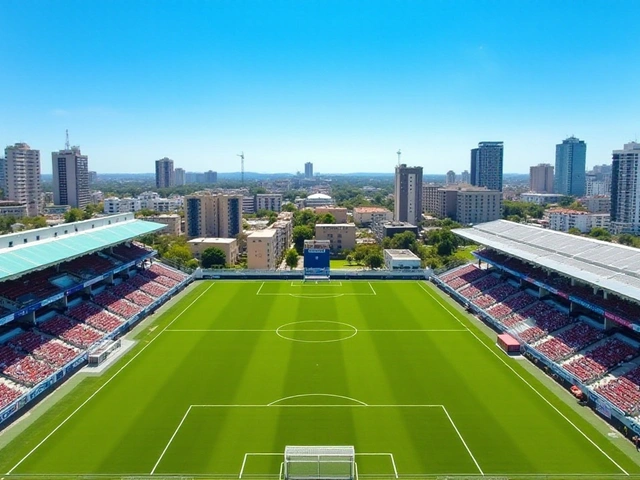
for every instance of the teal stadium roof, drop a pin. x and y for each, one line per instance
(21, 259)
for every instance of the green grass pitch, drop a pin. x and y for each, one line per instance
(233, 372)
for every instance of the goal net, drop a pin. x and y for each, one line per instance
(318, 462)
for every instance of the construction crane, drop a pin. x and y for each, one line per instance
(241, 155)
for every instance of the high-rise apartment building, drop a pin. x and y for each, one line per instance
(308, 170)
(486, 165)
(541, 178)
(164, 173)
(210, 176)
(408, 194)
(451, 177)
(625, 189)
(21, 174)
(3, 187)
(179, 177)
(93, 177)
(464, 204)
(571, 157)
(213, 215)
(71, 178)
(465, 177)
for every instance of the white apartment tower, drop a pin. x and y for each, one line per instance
(71, 178)
(625, 189)
(21, 175)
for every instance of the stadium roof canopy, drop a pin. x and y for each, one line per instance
(36, 255)
(610, 266)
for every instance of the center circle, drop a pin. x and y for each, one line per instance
(316, 331)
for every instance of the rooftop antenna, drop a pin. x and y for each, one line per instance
(66, 144)
(241, 155)
(399, 154)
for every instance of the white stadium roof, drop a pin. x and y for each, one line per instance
(608, 265)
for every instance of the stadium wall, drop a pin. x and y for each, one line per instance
(598, 403)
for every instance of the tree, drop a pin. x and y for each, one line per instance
(179, 253)
(326, 218)
(374, 260)
(300, 234)
(213, 257)
(350, 259)
(289, 207)
(574, 231)
(626, 239)
(291, 258)
(600, 233)
(74, 215)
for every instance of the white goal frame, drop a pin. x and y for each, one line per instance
(319, 462)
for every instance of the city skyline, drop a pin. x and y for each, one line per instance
(338, 84)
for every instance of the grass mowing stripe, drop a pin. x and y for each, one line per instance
(105, 383)
(446, 308)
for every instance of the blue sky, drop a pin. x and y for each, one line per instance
(342, 84)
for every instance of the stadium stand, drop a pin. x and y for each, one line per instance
(66, 290)
(55, 352)
(73, 332)
(575, 311)
(8, 394)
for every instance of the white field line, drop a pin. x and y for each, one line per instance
(374, 292)
(462, 440)
(390, 455)
(380, 330)
(184, 417)
(499, 357)
(258, 292)
(274, 405)
(393, 462)
(281, 468)
(246, 455)
(244, 461)
(107, 382)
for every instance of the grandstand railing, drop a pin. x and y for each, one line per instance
(601, 404)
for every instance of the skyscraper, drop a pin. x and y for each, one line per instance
(571, 157)
(465, 177)
(541, 178)
(625, 189)
(486, 165)
(451, 177)
(179, 177)
(3, 187)
(164, 173)
(71, 178)
(21, 174)
(408, 194)
(308, 170)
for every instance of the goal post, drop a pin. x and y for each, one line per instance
(319, 462)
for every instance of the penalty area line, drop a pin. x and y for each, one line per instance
(107, 382)
(184, 417)
(462, 440)
(546, 400)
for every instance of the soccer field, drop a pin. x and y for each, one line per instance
(233, 372)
